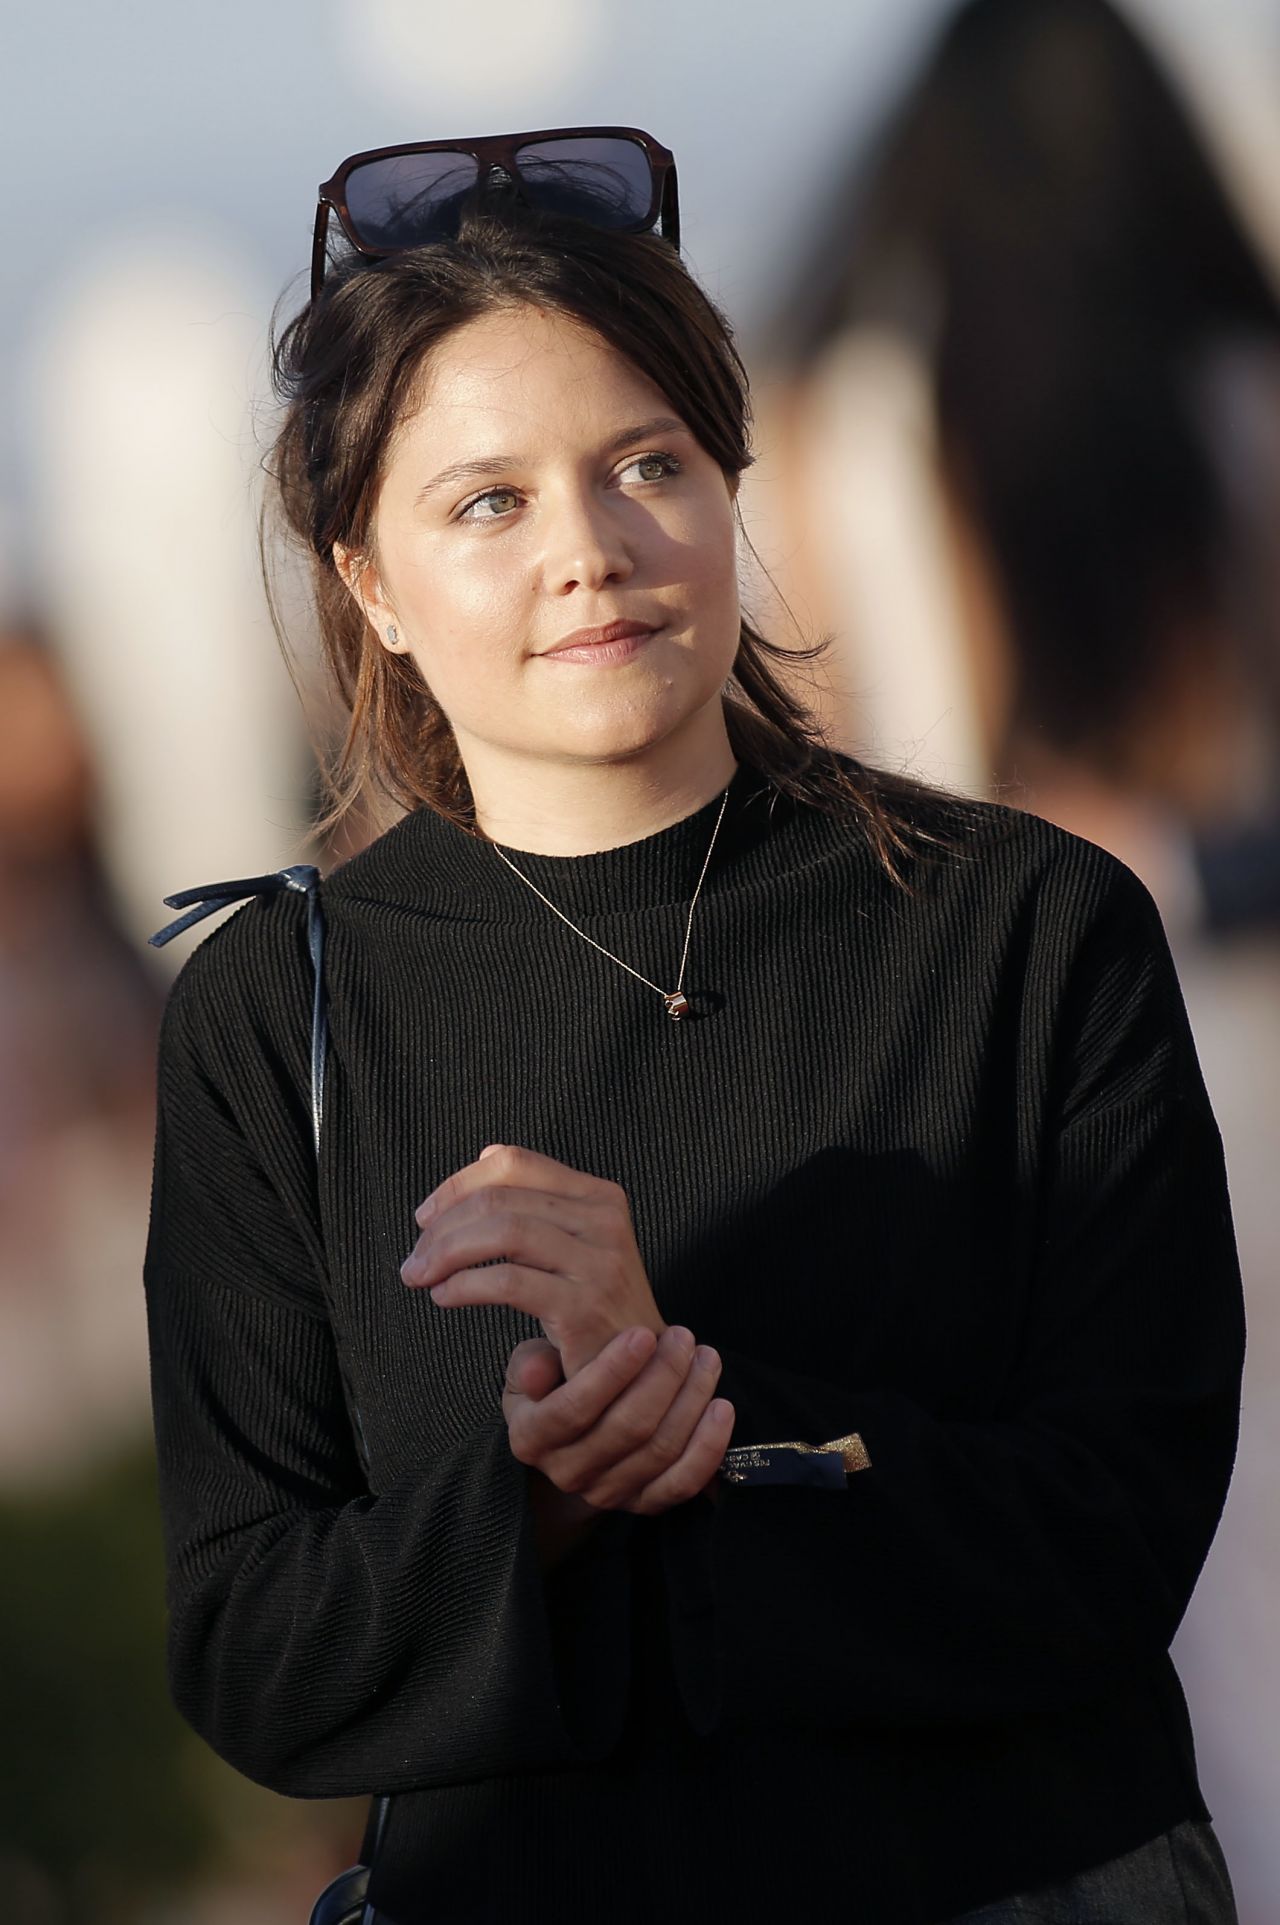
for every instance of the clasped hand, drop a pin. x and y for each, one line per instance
(614, 1406)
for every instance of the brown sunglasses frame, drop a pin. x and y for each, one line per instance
(494, 150)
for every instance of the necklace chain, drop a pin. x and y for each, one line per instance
(675, 999)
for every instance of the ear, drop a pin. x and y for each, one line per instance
(360, 578)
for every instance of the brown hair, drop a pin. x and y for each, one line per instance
(347, 369)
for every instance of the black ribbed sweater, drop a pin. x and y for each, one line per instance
(939, 1168)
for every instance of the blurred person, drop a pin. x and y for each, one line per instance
(1033, 457)
(654, 1019)
(78, 1017)
(1040, 228)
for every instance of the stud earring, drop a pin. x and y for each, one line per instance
(393, 635)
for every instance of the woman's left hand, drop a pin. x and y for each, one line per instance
(554, 1241)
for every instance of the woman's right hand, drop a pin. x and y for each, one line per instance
(637, 1429)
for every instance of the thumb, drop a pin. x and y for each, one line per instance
(533, 1369)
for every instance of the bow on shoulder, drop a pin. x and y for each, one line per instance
(304, 879)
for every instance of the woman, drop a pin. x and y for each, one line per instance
(921, 1171)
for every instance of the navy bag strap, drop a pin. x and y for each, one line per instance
(344, 1901)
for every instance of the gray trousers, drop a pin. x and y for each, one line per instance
(1179, 1878)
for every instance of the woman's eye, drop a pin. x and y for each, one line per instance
(491, 506)
(653, 467)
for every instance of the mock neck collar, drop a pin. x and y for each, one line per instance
(428, 862)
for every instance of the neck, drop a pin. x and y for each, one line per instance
(555, 808)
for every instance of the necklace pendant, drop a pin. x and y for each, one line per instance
(677, 1004)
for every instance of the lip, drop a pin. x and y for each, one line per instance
(615, 642)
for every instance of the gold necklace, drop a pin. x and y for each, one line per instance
(675, 999)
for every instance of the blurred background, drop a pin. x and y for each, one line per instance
(1006, 279)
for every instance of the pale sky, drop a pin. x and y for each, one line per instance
(206, 129)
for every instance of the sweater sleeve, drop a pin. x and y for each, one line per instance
(1021, 1561)
(325, 1638)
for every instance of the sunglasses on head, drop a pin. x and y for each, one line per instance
(391, 198)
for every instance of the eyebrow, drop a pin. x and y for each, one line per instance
(483, 465)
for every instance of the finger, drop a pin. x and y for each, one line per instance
(561, 1434)
(516, 1236)
(537, 1430)
(506, 1163)
(579, 1462)
(533, 1369)
(702, 1458)
(591, 1219)
(538, 1293)
(578, 1214)
(667, 1440)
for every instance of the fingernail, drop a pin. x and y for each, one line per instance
(705, 1357)
(410, 1270)
(638, 1341)
(490, 1149)
(424, 1210)
(683, 1338)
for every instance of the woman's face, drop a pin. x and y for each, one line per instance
(555, 550)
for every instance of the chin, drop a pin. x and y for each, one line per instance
(613, 733)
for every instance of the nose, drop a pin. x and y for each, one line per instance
(585, 544)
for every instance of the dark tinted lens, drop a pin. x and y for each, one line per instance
(406, 199)
(605, 180)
